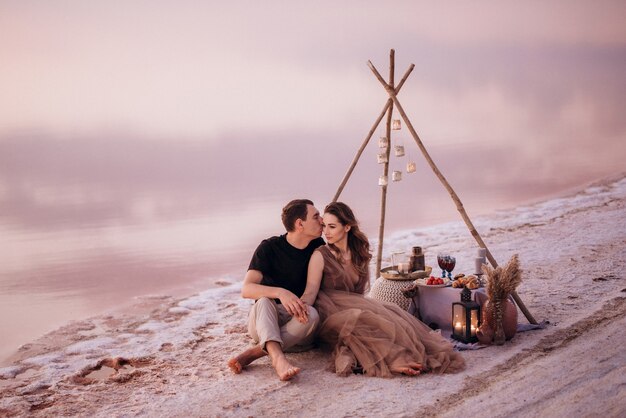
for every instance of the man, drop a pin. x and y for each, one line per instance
(279, 321)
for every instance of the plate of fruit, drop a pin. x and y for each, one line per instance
(434, 282)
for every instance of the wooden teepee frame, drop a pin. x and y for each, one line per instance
(393, 91)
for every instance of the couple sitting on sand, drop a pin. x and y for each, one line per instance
(306, 289)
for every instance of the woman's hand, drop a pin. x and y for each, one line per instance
(294, 305)
(304, 318)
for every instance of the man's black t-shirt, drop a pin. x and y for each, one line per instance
(282, 264)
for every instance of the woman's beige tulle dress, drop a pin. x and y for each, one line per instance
(379, 335)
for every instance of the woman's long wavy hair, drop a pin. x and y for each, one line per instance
(357, 241)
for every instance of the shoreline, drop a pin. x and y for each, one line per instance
(197, 284)
(140, 305)
(571, 251)
(143, 304)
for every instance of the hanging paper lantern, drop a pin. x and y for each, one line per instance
(395, 125)
(383, 142)
(410, 167)
(396, 175)
(399, 150)
(382, 181)
(382, 158)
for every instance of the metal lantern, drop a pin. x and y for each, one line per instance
(383, 142)
(396, 176)
(395, 125)
(382, 158)
(399, 150)
(382, 181)
(465, 318)
(410, 167)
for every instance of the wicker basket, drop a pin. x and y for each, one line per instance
(391, 291)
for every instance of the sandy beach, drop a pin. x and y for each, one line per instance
(170, 359)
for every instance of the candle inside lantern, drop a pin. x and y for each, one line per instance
(382, 181)
(395, 124)
(410, 167)
(473, 323)
(465, 318)
(403, 268)
(482, 252)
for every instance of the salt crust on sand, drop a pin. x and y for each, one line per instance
(572, 252)
(90, 345)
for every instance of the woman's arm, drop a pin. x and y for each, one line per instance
(314, 278)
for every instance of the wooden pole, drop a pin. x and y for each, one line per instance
(455, 198)
(383, 195)
(404, 77)
(369, 136)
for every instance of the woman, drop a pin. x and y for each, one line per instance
(378, 338)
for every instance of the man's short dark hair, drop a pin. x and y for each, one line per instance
(294, 210)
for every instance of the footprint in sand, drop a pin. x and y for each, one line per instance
(167, 347)
(238, 329)
(115, 369)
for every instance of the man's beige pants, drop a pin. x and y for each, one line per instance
(270, 321)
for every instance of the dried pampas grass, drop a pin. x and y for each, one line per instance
(502, 281)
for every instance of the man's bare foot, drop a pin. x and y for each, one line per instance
(284, 369)
(412, 369)
(237, 364)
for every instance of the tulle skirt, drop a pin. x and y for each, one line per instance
(381, 337)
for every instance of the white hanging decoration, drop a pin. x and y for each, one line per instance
(410, 167)
(382, 181)
(399, 150)
(395, 125)
(396, 175)
(382, 158)
(383, 142)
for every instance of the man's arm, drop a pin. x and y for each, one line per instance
(253, 289)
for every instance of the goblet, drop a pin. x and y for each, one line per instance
(451, 264)
(446, 263)
(441, 261)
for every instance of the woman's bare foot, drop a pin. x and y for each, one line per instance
(345, 362)
(412, 369)
(237, 364)
(284, 369)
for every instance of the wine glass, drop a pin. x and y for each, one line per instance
(441, 260)
(446, 263)
(451, 264)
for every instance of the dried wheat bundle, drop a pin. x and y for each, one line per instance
(503, 281)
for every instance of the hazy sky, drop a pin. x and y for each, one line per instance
(273, 98)
(204, 69)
